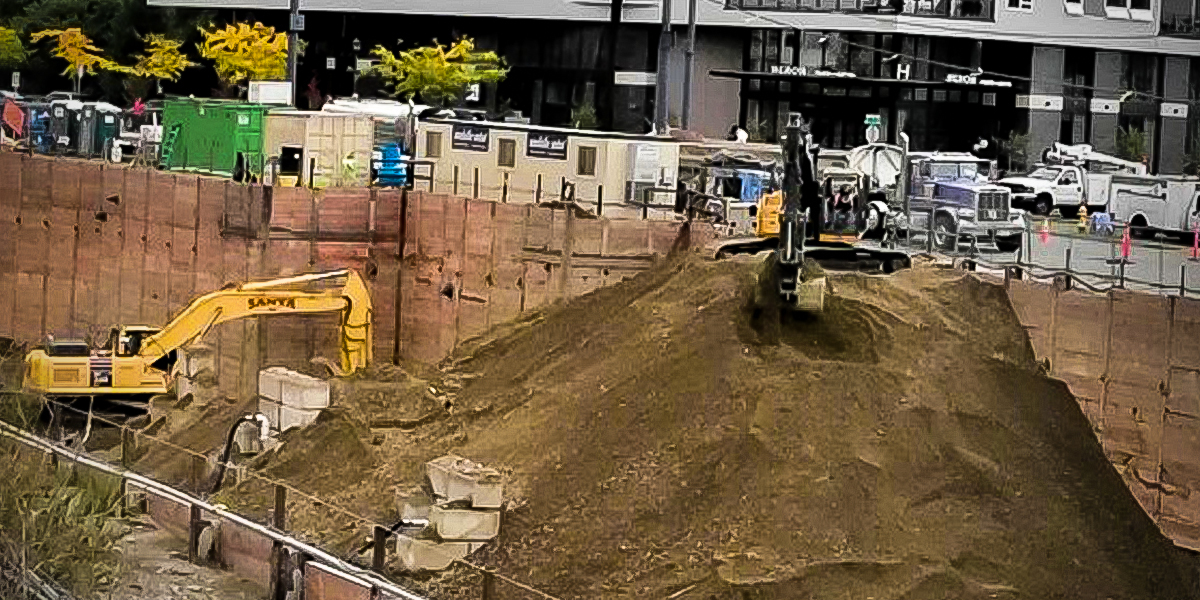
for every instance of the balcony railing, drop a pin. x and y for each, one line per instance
(974, 10)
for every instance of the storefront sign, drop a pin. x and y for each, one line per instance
(975, 80)
(804, 72)
(547, 145)
(634, 78)
(466, 137)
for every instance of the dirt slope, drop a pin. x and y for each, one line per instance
(664, 433)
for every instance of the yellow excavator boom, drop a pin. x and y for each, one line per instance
(137, 359)
(351, 300)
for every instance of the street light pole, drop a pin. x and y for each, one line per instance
(662, 97)
(690, 66)
(294, 47)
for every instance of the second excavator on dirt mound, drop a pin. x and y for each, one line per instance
(795, 236)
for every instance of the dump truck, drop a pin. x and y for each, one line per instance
(135, 362)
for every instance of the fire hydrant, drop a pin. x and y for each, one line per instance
(1083, 218)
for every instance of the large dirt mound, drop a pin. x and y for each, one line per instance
(668, 432)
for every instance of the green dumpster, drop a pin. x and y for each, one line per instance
(218, 137)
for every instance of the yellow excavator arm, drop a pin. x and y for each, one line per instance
(278, 296)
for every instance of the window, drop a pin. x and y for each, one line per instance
(290, 161)
(1024, 5)
(508, 153)
(587, 161)
(1068, 178)
(433, 144)
(1128, 9)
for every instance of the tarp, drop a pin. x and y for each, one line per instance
(14, 117)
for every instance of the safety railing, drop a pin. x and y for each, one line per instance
(1123, 258)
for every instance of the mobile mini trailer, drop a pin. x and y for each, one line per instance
(515, 162)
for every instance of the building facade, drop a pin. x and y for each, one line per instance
(946, 72)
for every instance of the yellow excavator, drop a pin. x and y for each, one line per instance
(136, 361)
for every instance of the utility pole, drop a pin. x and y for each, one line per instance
(689, 67)
(294, 46)
(662, 97)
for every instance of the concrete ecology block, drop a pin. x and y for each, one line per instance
(283, 417)
(417, 554)
(461, 524)
(293, 389)
(455, 479)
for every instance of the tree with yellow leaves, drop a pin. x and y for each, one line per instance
(245, 52)
(162, 60)
(77, 49)
(439, 76)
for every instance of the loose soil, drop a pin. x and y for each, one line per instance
(672, 433)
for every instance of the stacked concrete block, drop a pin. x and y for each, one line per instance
(290, 399)
(460, 517)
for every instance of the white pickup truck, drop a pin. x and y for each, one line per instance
(1170, 206)
(1072, 176)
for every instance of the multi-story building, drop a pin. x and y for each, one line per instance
(946, 72)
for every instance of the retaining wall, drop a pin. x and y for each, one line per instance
(85, 245)
(1133, 361)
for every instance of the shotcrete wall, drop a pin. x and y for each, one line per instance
(86, 245)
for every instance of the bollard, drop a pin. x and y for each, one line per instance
(126, 449)
(1121, 282)
(279, 518)
(455, 180)
(475, 193)
(489, 584)
(599, 200)
(537, 194)
(1068, 260)
(504, 189)
(379, 553)
(1182, 280)
(195, 525)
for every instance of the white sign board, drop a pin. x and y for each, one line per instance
(472, 93)
(331, 63)
(645, 163)
(634, 78)
(297, 22)
(270, 92)
(364, 64)
(16, 80)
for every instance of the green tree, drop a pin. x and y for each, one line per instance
(438, 75)
(584, 116)
(77, 49)
(12, 51)
(1131, 143)
(118, 26)
(1015, 151)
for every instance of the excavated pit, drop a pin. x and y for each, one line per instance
(666, 433)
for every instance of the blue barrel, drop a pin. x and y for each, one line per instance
(389, 170)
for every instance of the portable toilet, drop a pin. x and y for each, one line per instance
(218, 137)
(41, 136)
(389, 170)
(65, 117)
(106, 126)
(320, 149)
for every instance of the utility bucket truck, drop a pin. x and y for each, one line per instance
(1070, 177)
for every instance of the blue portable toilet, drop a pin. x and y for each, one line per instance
(390, 171)
(40, 136)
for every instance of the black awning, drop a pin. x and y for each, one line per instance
(737, 74)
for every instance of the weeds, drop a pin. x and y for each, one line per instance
(59, 522)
